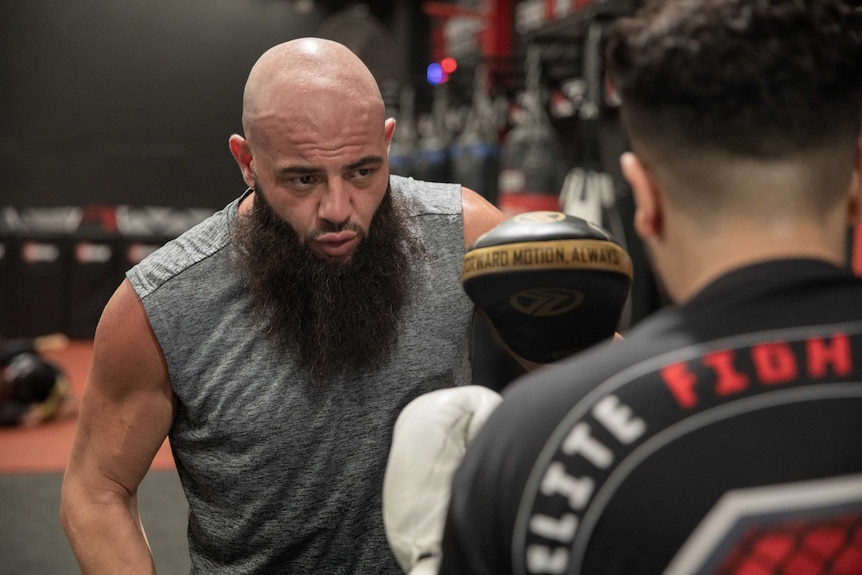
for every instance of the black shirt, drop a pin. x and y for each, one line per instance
(723, 436)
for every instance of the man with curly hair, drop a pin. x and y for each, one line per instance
(723, 436)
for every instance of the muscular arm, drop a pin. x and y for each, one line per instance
(480, 215)
(126, 412)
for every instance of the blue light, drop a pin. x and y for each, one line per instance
(435, 74)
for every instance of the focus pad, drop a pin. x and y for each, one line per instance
(551, 284)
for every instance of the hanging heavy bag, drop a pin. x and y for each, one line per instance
(588, 191)
(531, 158)
(475, 154)
(431, 161)
(402, 149)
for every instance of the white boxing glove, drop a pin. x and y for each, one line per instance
(428, 442)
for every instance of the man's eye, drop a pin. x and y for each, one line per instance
(304, 181)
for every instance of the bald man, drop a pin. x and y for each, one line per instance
(276, 342)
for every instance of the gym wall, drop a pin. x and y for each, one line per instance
(129, 102)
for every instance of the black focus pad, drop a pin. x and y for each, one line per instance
(550, 284)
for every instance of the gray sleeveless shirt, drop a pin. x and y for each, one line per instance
(282, 475)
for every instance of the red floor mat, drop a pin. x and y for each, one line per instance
(45, 449)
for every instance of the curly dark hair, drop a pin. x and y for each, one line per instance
(762, 78)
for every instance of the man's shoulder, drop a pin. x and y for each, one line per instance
(190, 248)
(427, 198)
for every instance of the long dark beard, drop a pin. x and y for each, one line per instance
(332, 318)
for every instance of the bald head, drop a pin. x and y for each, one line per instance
(299, 71)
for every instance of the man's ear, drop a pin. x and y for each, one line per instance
(241, 152)
(648, 209)
(389, 129)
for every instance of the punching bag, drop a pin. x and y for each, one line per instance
(475, 154)
(402, 148)
(588, 191)
(431, 161)
(531, 159)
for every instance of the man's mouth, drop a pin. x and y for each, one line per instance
(336, 245)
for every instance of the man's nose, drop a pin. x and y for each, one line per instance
(335, 206)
